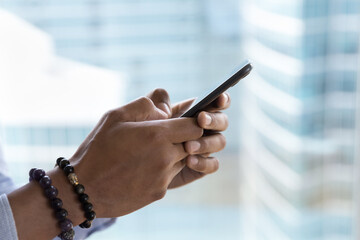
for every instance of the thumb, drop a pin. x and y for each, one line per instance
(179, 108)
(142, 109)
(161, 100)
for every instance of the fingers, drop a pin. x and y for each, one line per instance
(182, 129)
(205, 145)
(221, 103)
(179, 152)
(185, 176)
(142, 109)
(213, 121)
(177, 168)
(202, 165)
(161, 100)
(179, 108)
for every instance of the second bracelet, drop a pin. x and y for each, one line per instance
(69, 171)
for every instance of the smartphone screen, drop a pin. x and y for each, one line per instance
(212, 94)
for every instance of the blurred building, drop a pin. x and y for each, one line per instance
(181, 45)
(298, 159)
(48, 104)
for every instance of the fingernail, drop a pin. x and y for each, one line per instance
(194, 161)
(208, 119)
(194, 146)
(226, 98)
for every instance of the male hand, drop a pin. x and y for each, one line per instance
(129, 160)
(200, 162)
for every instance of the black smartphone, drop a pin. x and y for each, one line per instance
(232, 81)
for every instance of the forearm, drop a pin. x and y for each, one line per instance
(34, 218)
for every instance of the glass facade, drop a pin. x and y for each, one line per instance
(295, 112)
(163, 42)
(182, 46)
(299, 111)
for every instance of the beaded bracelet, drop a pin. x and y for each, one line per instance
(51, 192)
(69, 170)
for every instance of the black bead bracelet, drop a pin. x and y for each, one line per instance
(69, 171)
(51, 192)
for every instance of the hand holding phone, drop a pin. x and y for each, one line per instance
(232, 81)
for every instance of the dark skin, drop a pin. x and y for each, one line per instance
(129, 160)
(199, 162)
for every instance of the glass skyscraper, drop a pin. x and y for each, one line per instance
(299, 111)
(48, 104)
(164, 42)
(181, 45)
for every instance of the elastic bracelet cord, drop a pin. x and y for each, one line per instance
(51, 192)
(69, 170)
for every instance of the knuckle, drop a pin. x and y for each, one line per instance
(112, 115)
(222, 140)
(216, 165)
(219, 121)
(160, 194)
(161, 92)
(204, 145)
(198, 132)
(226, 121)
(107, 114)
(156, 134)
(214, 120)
(187, 147)
(201, 166)
(164, 161)
(146, 102)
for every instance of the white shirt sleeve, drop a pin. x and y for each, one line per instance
(6, 184)
(7, 223)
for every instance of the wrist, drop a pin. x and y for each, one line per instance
(32, 212)
(83, 198)
(67, 195)
(88, 176)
